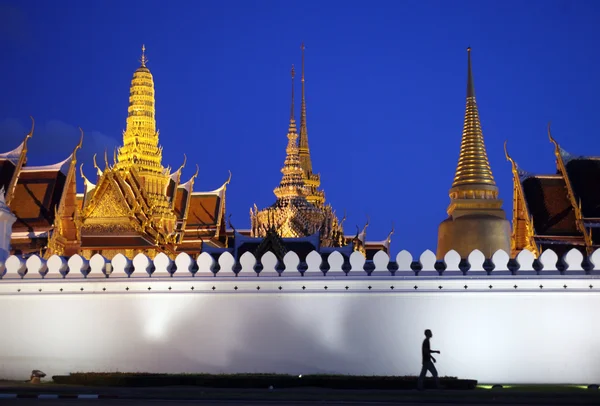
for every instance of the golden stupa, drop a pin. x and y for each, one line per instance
(476, 219)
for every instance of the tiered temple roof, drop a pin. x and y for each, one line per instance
(135, 205)
(39, 196)
(557, 211)
(138, 204)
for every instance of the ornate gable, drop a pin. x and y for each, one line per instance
(108, 201)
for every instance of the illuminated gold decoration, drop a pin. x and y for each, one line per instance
(131, 195)
(476, 219)
(523, 232)
(292, 215)
(311, 180)
(64, 238)
(589, 245)
(19, 165)
(473, 178)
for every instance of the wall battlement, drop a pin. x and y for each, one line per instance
(503, 320)
(335, 265)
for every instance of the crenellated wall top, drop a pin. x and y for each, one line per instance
(316, 266)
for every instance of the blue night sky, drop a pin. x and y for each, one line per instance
(385, 83)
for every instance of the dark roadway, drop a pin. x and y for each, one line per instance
(140, 402)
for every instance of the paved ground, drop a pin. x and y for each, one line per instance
(180, 395)
(144, 402)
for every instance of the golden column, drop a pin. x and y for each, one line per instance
(476, 219)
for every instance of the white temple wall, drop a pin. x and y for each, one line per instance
(527, 328)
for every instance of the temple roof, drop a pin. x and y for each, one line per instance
(549, 205)
(14, 155)
(62, 166)
(205, 208)
(584, 176)
(7, 170)
(36, 196)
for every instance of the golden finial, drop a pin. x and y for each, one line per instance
(470, 86)
(144, 60)
(552, 140)
(96, 164)
(389, 237)
(228, 179)
(302, 47)
(293, 72)
(366, 224)
(30, 134)
(508, 158)
(183, 164)
(107, 166)
(77, 147)
(230, 224)
(85, 179)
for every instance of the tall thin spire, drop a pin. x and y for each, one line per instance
(292, 106)
(303, 143)
(292, 182)
(143, 59)
(473, 172)
(140, 139)
(475, 219)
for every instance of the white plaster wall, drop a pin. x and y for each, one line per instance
(499, 335)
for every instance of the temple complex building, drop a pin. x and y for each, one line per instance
(43, 199)
(135, 205)
(300, 220)
(476, 219)
(557, 211)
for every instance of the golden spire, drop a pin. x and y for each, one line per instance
(144, 60)
(292, 182)
(140, 139)
(303, 143)
(473, 177)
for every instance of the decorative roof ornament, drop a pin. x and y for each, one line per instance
(521, 173)
(143, 59)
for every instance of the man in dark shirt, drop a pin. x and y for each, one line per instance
(426, 351)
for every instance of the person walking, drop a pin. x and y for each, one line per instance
(426, 352)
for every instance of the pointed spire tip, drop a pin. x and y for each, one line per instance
(144, 60)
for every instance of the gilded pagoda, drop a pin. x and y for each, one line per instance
(557, 211)
(476, 219)
(135, 205)
(300, 219)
